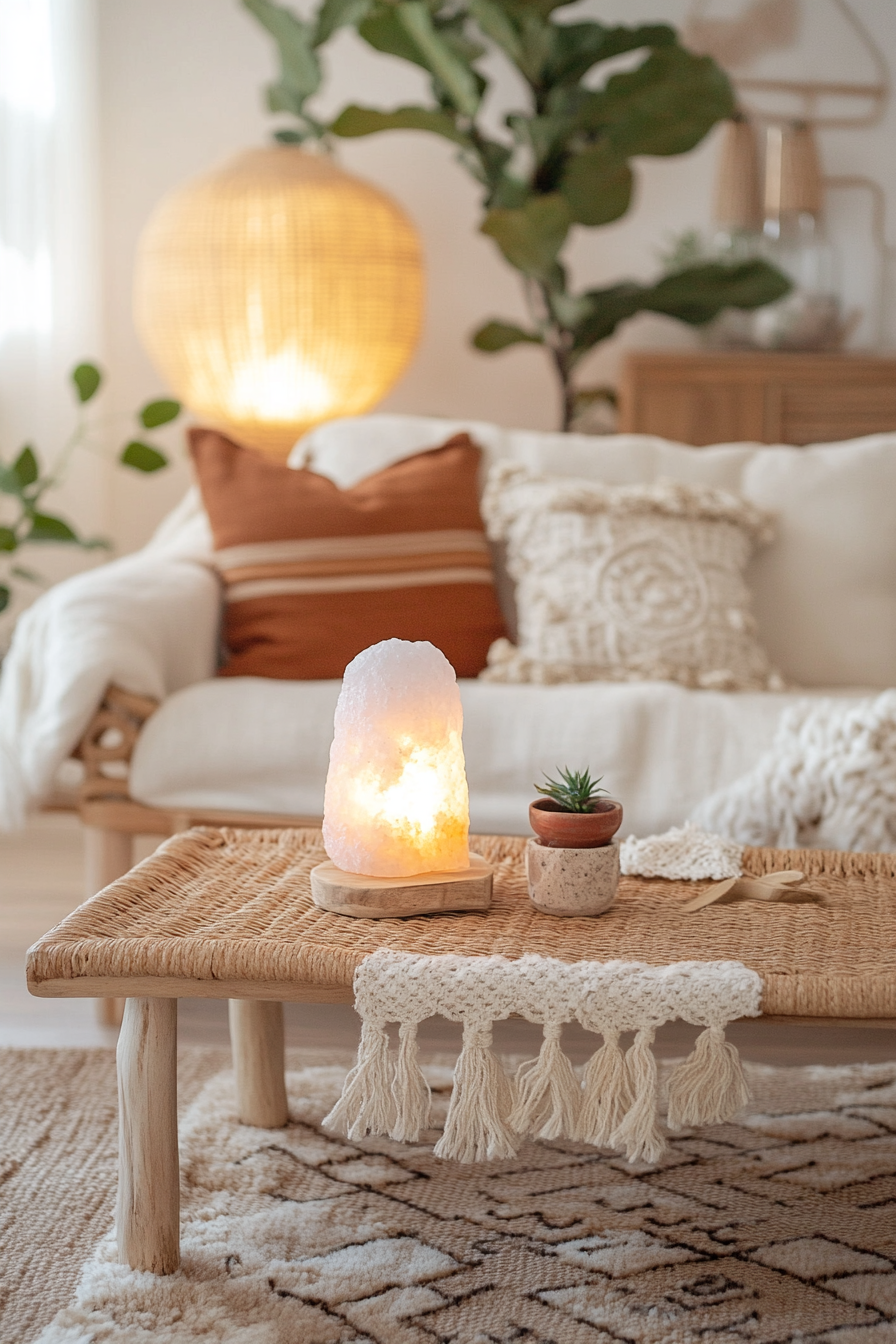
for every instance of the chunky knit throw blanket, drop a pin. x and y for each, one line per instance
(827, 782)
(614, 1105)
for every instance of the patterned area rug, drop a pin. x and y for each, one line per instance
(781, 1227)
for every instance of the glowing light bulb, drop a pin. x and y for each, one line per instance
(281, 387)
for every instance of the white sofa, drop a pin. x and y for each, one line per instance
(825, 599)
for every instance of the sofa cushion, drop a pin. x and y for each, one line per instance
(824, 590)
(248, 744)
(627, 582)
(313, 574)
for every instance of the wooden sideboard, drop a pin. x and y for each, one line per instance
(726, 396)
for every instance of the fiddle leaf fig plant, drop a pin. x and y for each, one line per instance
(563, 159)
(24, 483)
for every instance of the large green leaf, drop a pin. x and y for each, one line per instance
(300, 71)
(494, 336)
(666, 106)
(142, 457)
(537, 38)
(699, 293)
(597, 185)
(453, 74)
(8, 539)
(456, 31)
(531, 236)
(355, 121)
(87, 379)
(508, 192)
(545, 135)
(496, 23)
(335, 14)
(26, 468)
(604, 310)
(576, 47)
(695, 295)
(45, 527)
(382, 30)
(160, 412)
(9, 481)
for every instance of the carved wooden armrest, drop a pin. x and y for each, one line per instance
(108, 744)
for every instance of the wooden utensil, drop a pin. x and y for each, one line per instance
(783, 888)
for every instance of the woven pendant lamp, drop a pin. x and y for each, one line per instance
(278, 292)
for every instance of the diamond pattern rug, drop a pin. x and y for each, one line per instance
(780, 1227)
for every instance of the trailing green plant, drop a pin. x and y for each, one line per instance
(564, 159)
(24, 520)
(575, 791)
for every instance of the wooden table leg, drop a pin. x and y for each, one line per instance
(256, 1038)
(148, 1211)
(108, 855)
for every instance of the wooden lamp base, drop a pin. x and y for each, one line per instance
(392, 897)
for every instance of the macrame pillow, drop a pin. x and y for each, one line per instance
(627, 583)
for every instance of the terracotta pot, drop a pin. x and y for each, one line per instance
(575, 830)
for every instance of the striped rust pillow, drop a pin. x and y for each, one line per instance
(313, 574)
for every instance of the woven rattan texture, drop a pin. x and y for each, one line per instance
(236, 905)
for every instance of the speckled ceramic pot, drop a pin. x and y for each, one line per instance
(575, 830)
(572, 881)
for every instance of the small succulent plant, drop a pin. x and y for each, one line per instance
(575, 791)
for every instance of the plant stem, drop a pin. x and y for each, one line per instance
(567, 391)
(557, 342)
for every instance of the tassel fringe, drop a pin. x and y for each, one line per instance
(548, 1096)
(367, 1105)
(606, 1095)
(639, 1134)
(477, 1128)
(616, 1105)
(709, 1087)
(409, 1089)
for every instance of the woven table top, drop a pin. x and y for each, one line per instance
(226, 913)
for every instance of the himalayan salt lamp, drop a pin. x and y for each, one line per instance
(396, 808)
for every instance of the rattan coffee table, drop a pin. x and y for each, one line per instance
(228, 914)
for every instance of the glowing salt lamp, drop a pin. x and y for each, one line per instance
(396, 808)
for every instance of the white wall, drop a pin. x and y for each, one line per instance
(181, 88)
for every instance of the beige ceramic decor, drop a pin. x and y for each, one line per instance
(627, 583)
(572, 881)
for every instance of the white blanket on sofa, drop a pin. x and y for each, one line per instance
(148, 622)
(662, 748)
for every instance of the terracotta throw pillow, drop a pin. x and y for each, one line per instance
(313, 574)
(627, 582)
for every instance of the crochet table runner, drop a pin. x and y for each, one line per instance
(489, 1115)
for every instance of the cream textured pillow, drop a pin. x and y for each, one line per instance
(627, 583)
